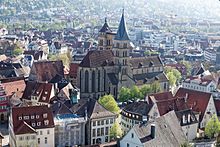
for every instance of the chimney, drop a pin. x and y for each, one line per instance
(186, 97)
(153, 129)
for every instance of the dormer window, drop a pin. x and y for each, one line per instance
(37, 116)
(26, 117)
(46, 122)
(20, 118)
(45, 115)
(32, 116)
(33, 124)
(38, 123)
(44, 98)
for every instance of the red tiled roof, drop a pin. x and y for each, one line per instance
(196, 100)
(217, 106)
(73, 69)
(46, 70)
(40, 90)
(14, 86)
(166, 102)
(27, 119)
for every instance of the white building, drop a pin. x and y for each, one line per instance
(210, 55)
(197, 83)
(70, 130)
(31, 126)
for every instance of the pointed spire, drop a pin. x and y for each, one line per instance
(122, 30)
(105, 27)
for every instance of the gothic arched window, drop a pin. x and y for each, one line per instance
(93, 81)
(86, 81)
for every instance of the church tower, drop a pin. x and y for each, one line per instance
(105, 38)
(121, 47)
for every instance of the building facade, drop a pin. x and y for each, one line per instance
(31, 126)
(3, 105)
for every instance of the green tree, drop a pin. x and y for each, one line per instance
(185, 144)
(135, 92)
(17, 51)
(188, 66)
(63, 57)
(145, 90)
(115, 131)
(124, 94)
(172, 79)
(212, 127)
(109, 103)
(156, 87)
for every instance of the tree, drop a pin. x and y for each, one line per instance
(17, 51)
(145, 90)
(212, 127)
(109, 103)
(188, 67)
(115, 131)
(135, 92)
(155, 87)
(172, 79)
(175, 72)
(185, 144)
(63, 57)
(124, 94)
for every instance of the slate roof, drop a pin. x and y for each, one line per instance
(25, 119)
(122, 30)
(140, 108)
(147, 78)
(10, 70)
(46, 70)
(36, 54)
(97, 58)
(196, 100)
(168, 132)
(91, 106)
(105, 28)
(151, 61)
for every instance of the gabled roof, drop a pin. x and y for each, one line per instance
(97, 58)
(166, 102)
(24, 128)
(46, 70)
(40, 90)
(28, 119)
(167, 132)
(91, 106)
(105, 28)
(122, 30)
(196, 100)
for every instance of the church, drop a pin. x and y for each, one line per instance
(111, 67)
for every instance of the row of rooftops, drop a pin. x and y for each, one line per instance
(184, 99)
